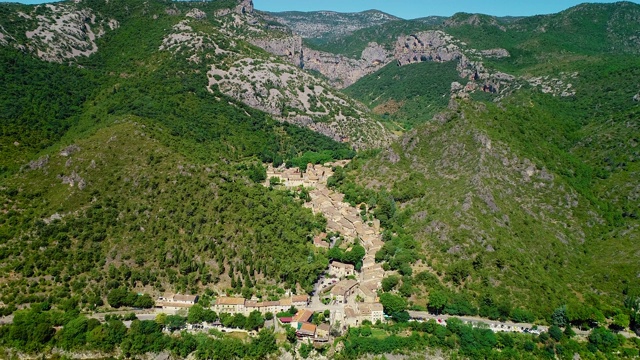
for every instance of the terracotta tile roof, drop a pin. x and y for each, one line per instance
(225, 300)
(302, 315)
(368, 308)
(285, 302)
(341, 265)
(307, 328)
(300, 298)
(343, 286)
(190, 298)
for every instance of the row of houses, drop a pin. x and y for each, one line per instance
(355, 315)
(301, 321)
(176, 301)
(293, 177)
(238, 305)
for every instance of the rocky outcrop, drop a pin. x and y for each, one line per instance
(343, 71)
(295, 96)
(426, 46)
(495, 53)
(245, 7)
(289, 47)
(329, 24)
(57, 32)
(196, 14)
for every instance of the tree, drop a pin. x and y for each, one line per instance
(117, 297)
(555, 332)
(73, 334)
(437, 301)
(254, 321)
(196, 314)
(263, 345)
(291, 334)
(144, 301)
(520, 315)
(175, 322)
(632, 304)
(390, 282)
(42, 333)
(568, 331)
(393, 305)
(559, 316)
(365, 331)
(161, 319)
(621, 321)
(603, 339)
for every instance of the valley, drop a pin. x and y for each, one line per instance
(262, 185)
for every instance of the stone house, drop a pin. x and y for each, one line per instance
(341, 270)
(229, 305)
(342, 290)
(177, 301)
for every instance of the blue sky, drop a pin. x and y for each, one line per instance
(410, 9)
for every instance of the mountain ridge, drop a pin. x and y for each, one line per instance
(500, 159)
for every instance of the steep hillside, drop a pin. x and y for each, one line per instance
(133, 169)
(522, 200)
(524, 184)
(119, 208)
(326, 25)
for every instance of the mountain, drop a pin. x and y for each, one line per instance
(127, 148)
(509, 178)
(499, 156)
(325, 25)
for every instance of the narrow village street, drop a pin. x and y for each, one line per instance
(346, 220)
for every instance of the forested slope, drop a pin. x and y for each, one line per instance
(524, 197)
(126, 169)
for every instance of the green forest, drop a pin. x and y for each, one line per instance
(124, 175)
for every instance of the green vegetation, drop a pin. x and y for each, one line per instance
(456, 191)
(353, 256)
(33, 331)
(459, 339)
(122, 174)
(353, 44)
(121, 297)
(407, 95)
(143, 178)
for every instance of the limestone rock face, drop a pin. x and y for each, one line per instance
(196, 14)
(56, 32)
(426, 46)
(344, 71)
(495, 53)
(341, 71)
(288, 47)
(245, 7)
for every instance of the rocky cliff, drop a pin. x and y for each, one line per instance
(329, 24)
(276, 85)
(343, 71)
(56, 32)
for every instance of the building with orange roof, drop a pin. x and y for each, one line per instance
(306, 330)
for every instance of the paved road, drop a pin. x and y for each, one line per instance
(493, 325)
(500, 326)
